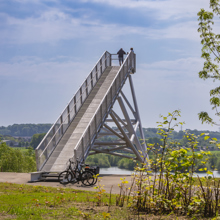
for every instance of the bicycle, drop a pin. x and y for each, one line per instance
(76, 175)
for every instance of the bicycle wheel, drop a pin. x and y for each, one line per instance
(65, 177)
(74, 177)
(95, 177)
(87, 178)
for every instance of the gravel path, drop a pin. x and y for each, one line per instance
(24, 178)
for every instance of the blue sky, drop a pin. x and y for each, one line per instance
(48, 47)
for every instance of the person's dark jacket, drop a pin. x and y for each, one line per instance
(121, 53)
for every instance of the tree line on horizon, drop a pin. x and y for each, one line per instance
(24, 130)
(28, 130)
(37, 132)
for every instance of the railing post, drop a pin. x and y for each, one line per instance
(122, 73)
(83, 149)
(101, 66)
(61, 121)
(81, 100)
(37, 160)
(96, 73)
(75, 104)
(86, 88)
(106, 103)
(130, 60)
(89, 134)
(106, 59)
(91, 76)
(47, 154)
(101, 111)
(68, 112)
(75, 156)
(111, 94)
(95, 123)
(110, 59)
(54, 139)
(114, 92)
(134, 62)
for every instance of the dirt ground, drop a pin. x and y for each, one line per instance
(107, 180)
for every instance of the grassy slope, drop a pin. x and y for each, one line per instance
(39, 202)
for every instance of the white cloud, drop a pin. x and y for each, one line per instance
(165, 9)
(175, 68)
(34, 1)
(182, 30)
(52, 26)
(55, 25)
(59, 69)
(34, 69)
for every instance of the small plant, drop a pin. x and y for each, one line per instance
(85, 216)
(100, 192)
(120, 199)
(36, 202)
(47, 203)
(106, 215)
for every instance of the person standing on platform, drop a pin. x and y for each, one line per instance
(121, 56)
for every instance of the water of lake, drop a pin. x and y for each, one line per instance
(118, 171)
(115, 170)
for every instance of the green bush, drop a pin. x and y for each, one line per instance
(169, 188)
(16, 160)
(100, 160)
(113, 160)
(105, 161)
(127, 164)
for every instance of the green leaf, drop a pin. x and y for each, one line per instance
(206, 138)
(209, 172)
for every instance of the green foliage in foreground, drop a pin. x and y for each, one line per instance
(166, 183)
(16, 160)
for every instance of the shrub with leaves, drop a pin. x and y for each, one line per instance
(166, 183)
(211, 55)
(15, 160)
